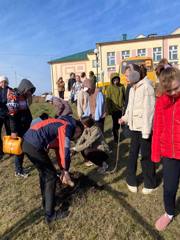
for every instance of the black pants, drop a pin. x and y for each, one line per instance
(171, 176)
(6, 123)
(100, 124)
(61, 94)
(115, 117)
(47, 176)
(95, 156)
(148, 167)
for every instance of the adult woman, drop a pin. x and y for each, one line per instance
(61, 87)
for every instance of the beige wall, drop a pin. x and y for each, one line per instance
(64, 70)
(133, 47)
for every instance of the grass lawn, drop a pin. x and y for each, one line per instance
(108, 212)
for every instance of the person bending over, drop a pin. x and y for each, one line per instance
(56, 134)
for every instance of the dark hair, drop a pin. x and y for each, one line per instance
(60, 78)
(87, 121)
(143, 71)
(83, 74)
(72, 73)
(44, 116)
(80, 125)
(91, 73)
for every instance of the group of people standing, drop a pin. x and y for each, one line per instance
(152, 120)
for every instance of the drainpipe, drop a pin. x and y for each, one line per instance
(52, 80)
(163, 48)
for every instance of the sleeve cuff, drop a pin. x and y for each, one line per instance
(145, 136)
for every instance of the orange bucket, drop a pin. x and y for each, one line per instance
(12, 145)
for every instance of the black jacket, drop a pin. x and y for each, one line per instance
(3, 102)
(20, 116)
(71, 81)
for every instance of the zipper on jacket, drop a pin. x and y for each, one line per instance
(173, 128)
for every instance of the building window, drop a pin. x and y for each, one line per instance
(141, 52)
(173, 53)
(125, 54)
(94, 64)
(111, 58)
(157, 54)
(111, 69)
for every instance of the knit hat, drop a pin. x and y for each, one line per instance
(114, 75)
(4, 78)
(88, 83)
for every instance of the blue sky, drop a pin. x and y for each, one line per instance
(34, 32)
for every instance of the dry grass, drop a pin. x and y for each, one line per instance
(109, 212)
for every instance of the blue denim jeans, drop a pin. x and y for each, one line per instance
(19, 163)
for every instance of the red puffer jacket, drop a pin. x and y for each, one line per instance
(166, 129)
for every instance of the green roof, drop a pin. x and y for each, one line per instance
(81, 56)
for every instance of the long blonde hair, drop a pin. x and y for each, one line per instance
(166, 77)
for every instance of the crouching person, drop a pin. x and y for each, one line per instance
(92, 145)
(36, 140)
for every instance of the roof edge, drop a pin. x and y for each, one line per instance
(65, 58)
(139, 39)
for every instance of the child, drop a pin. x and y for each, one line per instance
(139, 116)
(115, 102)
(166, 139)
(92, 144)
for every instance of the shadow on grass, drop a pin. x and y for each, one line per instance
(120, 197)
(65, 197)
(140, 178)
(177, 207)
(34, 217)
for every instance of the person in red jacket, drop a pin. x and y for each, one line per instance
(166, 139)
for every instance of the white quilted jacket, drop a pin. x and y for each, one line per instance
(140, 109)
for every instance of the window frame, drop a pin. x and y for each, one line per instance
(157, 54)
(172, 52)
(124, 56)
(110, 59)
(140, 55)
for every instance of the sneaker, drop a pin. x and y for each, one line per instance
(132, 189)
(148, 190)
(89, 164)
(163, 222)
(56, 216)
(23, 175)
